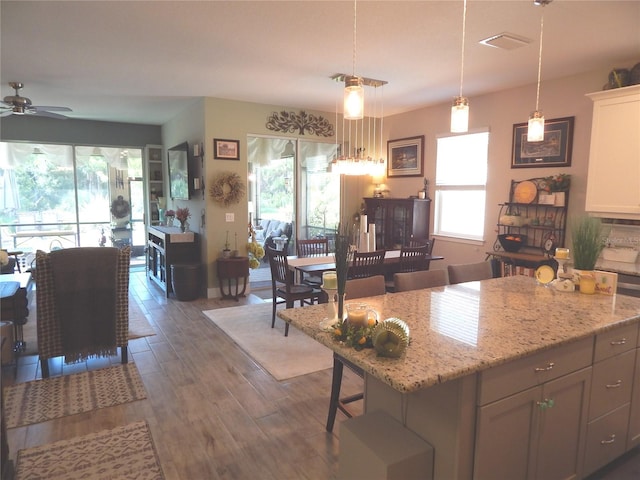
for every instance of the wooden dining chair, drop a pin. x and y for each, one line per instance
(406, 281)
(283, 285)
(469, 272)
(355, 288)
(366, 264)
(308, 248)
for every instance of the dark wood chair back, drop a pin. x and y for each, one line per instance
(413, 259)
(283, 285)
(366, 264)
(312, 246)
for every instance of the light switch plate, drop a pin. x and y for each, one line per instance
(229, 217)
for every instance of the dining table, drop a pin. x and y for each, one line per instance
(317, 264)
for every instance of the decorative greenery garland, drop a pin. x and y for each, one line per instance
(227, 188)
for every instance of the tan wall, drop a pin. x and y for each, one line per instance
(498, 111)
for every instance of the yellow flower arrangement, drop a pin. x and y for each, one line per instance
(254, 249)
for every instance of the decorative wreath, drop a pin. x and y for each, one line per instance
(227, 188)
(120, 207)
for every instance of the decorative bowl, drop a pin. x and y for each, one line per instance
(390, 338)
(512, 242)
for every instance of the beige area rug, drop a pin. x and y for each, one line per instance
(41, 400)
(283, 357)
(125, 452)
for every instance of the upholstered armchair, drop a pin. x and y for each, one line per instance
(82, 303)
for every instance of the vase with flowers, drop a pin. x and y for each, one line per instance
(182, 214)
(169, 215)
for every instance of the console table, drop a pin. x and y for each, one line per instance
(233, 268)
(165, 247)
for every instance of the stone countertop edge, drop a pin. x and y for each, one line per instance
(462, 329)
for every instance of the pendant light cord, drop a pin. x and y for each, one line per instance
(355, 22)
(540, 58)
(464, 21)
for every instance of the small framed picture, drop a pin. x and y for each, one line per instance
(405, 157)
(226, 149)
(553, 151)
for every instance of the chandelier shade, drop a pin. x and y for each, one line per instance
(353, 98)
(460, 115)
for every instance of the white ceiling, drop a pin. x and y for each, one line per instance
(142, 61)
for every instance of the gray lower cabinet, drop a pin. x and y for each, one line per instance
(535, 434)
(634, 419)
(610, 412)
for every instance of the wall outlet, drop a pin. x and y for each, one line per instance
(229, 217)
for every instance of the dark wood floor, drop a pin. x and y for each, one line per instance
(213, 412)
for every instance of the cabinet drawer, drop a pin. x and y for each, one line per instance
(535, 369)
(615, 341)
(611, 383)
(606, 439)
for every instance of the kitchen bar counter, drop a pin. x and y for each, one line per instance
(461, 329)
(497, 377)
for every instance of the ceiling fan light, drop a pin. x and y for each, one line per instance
(460, 115)
(353, 98)
(535, 130)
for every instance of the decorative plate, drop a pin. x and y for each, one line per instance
(545, 274)
(525, 192)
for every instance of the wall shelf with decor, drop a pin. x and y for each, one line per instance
(532, 224)
(154, 188)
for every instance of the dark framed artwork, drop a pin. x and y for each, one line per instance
(553, 151)
(226, 149)
(405, 157)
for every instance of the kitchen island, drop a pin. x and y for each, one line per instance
(477, 348)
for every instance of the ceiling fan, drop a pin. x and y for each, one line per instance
(17, 105)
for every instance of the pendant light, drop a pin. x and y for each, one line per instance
(460, 107)
(535, 130)
(353, 90)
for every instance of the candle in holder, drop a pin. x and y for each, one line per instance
(329, 280)
(562, 253)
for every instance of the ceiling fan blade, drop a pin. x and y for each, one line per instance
(40, 108)
(44, 113)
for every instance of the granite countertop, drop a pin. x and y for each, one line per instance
(461, 329)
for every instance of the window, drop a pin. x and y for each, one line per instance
(461, 181)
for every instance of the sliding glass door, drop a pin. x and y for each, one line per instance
(290, 183)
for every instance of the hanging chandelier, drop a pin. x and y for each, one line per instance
(460, 107)
(352, 157)
(535, 130)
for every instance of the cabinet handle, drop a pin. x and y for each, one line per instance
(614, 385)
(544, 369)
(612, 438)
(546, 403)
(618, 342)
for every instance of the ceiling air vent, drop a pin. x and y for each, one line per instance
(506, 41)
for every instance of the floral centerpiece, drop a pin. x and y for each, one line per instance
(356, 337)
(182, 214)
(254, 249)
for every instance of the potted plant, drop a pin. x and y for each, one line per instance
(588, 242)
(226, 253)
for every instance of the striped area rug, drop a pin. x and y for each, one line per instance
(124, 453)
(41, 400)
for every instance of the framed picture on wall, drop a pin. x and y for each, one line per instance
(226, 149)
(405, 157)
(553, 151)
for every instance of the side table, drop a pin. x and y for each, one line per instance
(233, 268)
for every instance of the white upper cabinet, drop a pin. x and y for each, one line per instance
(613, 184)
